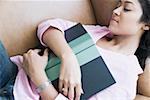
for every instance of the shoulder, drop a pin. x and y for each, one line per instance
(148, 62)
(96, 31)
(144, 80)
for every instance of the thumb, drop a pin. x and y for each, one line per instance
(37, 50)
(45, 52)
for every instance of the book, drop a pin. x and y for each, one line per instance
(95, 73)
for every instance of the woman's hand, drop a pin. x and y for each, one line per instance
(34, 65)
(70, 77)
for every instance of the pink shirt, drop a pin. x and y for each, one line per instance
(124, 70)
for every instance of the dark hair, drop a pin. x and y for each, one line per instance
(143, 51)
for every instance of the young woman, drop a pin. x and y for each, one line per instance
(128, 31)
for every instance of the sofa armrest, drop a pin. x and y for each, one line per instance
(141, 97)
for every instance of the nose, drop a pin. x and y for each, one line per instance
(117, 11)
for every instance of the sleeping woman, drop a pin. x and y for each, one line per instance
(126, 39)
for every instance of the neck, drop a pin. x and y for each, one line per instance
(127, 44)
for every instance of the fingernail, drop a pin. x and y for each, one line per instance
(82, 92)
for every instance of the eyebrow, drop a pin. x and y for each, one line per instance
(128, 2)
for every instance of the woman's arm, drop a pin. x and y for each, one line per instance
(50, 33)
(70, 75)
(144, 83)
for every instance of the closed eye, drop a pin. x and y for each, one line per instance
(125, 9)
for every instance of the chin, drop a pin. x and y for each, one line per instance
(112, 29)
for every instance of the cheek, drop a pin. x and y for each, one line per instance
(126, 26)
(130, 27)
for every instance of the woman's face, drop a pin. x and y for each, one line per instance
(126, 18)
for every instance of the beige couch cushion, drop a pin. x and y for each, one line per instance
(19, 19)
(103, 10)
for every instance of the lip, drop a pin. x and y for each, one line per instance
(113, 19)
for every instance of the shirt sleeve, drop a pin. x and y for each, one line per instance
(138, 68)
(61, 97)
(95, 31)
(60, 24)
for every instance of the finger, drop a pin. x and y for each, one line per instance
(60, 85)
(71, 92)
(29, 51)
(77, 98)
(24, 57)
(24, 62)
(65, 89)
(45, 52)
(78, 91)
(37, 50)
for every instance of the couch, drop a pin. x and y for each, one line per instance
(19, 19)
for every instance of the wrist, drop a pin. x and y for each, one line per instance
(39, 78)
(66, 54)
(40, 88)
(47, 91)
